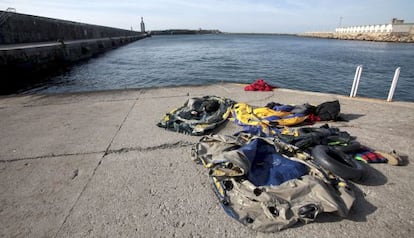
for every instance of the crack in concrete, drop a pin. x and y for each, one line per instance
(49, 156)
(95, 169)
(178, 144)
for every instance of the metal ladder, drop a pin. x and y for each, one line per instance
(357, 78)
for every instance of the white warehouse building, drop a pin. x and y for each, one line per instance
(396, 26)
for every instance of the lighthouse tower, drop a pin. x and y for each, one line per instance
(142, 25)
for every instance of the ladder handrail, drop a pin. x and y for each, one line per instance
(393, 84)
(355, 83)
(357, 78)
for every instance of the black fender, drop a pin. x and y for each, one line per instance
(338, 162)
(352, 148)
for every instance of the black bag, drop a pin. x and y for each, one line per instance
(328, 111)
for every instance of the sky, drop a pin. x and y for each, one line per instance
(247, 16)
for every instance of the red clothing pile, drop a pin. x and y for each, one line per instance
(259, 85)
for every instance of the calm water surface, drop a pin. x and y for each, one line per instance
(321, 65)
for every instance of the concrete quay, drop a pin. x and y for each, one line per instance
(96, 165)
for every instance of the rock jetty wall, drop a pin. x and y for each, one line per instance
(33, 47)
(381, 37)
(16, 28)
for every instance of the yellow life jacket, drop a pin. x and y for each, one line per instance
(244, 114)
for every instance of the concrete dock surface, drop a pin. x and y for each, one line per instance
(96, 165)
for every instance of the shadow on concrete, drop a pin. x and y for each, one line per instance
(405, 160)
(372, 177)
(350, 116)
(358, 213)
(361, 208)
(28, 79)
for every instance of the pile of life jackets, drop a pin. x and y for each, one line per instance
(200, 116)
(269, 119)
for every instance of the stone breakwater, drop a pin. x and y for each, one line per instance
(17, 28)
(33, 47)
(381, 37)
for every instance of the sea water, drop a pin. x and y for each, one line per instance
(321, 65)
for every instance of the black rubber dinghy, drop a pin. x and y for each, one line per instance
(338, 162)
